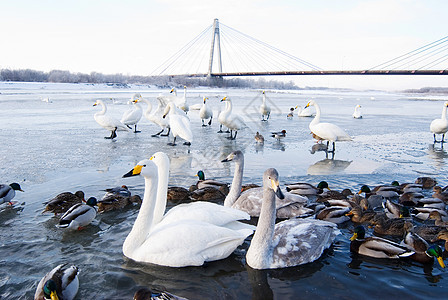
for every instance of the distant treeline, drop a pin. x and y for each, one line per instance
(428, 90)
(60, 76)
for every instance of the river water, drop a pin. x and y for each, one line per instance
(56, 146)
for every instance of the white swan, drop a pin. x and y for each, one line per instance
(133, 115)
(357, 113)
(440, 126)
(180, 102)
(179, 124)
(326, 131)
(183, 239)
(304, 112)
(60, 283)
(250, 200)
(231, 121)
(289, 243)
(265, 110)
(108, 122)
(205, 112)
(156, 116)
(222, 117)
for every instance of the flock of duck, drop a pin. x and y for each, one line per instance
(292, 227)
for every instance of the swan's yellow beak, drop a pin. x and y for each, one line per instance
(354, 237)
(95, 104)
(307, 105)
(224, 99)
(134, 172)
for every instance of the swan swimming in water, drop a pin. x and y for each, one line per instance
(326, 131)
(440, 126)
(206, 113)
(179, 124)
(108, 122)
(265, 110)
(304, 112)
(250, 200)
(185, 236)
(288, 243)
(133, 115)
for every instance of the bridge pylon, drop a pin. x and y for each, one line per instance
(216, 39)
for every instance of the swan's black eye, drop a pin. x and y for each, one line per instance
(144, 165)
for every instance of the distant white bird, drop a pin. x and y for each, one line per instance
(108, 122)
(357, 113)
(265, 110)
(440, 126)
(180, 102)
(304, 112)
(8, 192)
(326, 131)
(179, 124)
(133, 115)
(156, 115)
(46, 99)
(231, 121)
(206, 113)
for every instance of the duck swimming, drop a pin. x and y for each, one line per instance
(79, 215)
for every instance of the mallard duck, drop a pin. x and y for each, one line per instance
(393, 210)
(207, 193)
(119, 190)
(426, 182)
(178, 193)
(147, 294)
(202, 183)
(334, 214)
(304, 188)
(422, 213)
(431, 203)
(428, 232)
(385, 226)
(62, 202)
(79, 215)
(117, 202)
(335, 195)
(440, 194)
(259, 138)
(8, 192)
(410, 198)
(376, 247)
(385, 191)
(357, 215)
(437, 217)
(423, 252)
(443, 235)
(60, 283)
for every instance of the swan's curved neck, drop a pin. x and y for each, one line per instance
(264, 99)
(103, 110)
(148, 108)
(260, 250)
(317, 117)
(142, 224)
(185, 94)
(235, 189)
(162, 189)
(444, 112)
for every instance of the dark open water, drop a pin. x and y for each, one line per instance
(54, 147)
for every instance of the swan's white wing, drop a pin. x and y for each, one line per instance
(180, 126)
(132, 116)
(110, 123)
(439, 126)
(188, 243)
(330, 132)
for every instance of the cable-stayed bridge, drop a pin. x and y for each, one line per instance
(221, 51)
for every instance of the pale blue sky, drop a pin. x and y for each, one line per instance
(135, 36)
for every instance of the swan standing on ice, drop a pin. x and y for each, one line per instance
(265, 110)
(357, 113)
(326, 131)
(440, 126)
(108, 122)
(185, 239)
(288, 243)
(206, 113)
(181, 102)
(156, 116)
(133, 115)
(231, 121)
(179, 124)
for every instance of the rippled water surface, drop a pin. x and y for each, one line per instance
(54, 147)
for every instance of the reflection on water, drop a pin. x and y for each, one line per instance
(437, 154)
(328, 166)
